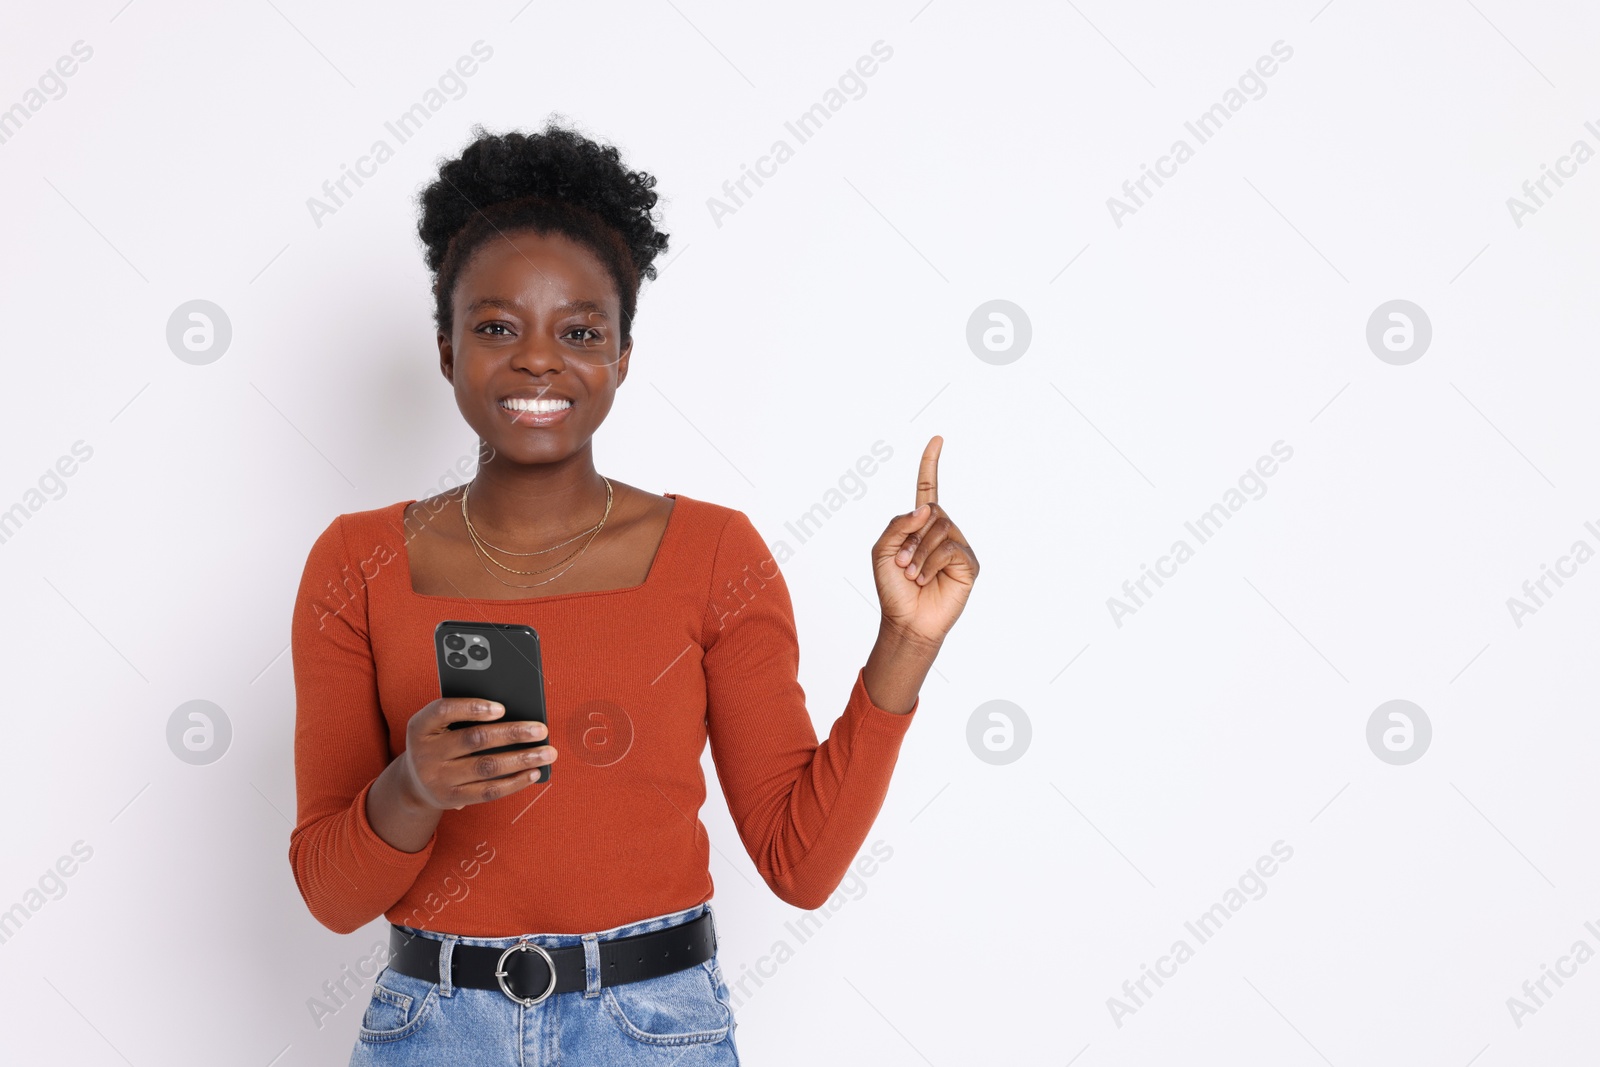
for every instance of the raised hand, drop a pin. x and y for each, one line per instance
(923, 566)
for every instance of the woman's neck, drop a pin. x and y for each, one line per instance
(522, 505)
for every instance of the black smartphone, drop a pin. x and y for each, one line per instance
(494, 661)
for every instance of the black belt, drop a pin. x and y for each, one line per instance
(543, 971)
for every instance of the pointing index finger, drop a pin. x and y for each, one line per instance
(928, 474)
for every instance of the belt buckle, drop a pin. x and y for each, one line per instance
(500, 972)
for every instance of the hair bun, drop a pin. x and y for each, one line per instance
(555, 179)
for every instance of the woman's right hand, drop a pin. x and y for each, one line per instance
(444, 769)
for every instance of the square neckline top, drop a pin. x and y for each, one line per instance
(668, 537)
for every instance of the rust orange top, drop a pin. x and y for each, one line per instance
(704, 648)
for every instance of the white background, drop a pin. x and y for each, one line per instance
(828, 312)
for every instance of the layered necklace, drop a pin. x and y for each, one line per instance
(482, 548)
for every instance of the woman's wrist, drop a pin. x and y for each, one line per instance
(397, 814)
(896, 669)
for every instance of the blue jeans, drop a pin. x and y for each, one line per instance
(683, 1019)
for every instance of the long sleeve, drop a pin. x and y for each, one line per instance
(347, 874)
(801, 809)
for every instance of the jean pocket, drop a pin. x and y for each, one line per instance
(723, 993)
(400, 1006)
(681, 1008)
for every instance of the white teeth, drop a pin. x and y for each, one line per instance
(537, 406)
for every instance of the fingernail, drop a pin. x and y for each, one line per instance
(911, 571)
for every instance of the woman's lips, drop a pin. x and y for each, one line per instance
(536, 418)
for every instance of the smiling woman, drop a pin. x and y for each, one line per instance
(593, 932)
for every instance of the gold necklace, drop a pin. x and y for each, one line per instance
(481, 555)
(480, 552)
(541, 570)
(537, 552)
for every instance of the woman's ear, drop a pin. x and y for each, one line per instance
(622, 361)
(446, 359)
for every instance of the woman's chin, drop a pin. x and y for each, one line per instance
(530, 447)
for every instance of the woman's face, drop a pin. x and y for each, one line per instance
(537, 323)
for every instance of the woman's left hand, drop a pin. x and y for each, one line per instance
(923, 565)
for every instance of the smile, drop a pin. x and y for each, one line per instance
(528, 412)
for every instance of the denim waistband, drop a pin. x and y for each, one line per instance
(643, 926)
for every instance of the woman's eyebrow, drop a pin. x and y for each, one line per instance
(492, 302)
(581, 305)
(515, 305)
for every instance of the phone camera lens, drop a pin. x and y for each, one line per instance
(478, 652)
(456, 659)
(455, 641)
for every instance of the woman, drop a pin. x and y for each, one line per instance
(573, 915)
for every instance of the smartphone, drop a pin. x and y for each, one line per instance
(494, 661)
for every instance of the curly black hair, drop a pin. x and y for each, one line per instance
(552, 181)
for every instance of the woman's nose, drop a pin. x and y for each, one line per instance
(538, 354)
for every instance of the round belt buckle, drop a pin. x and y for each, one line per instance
(500, 973)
